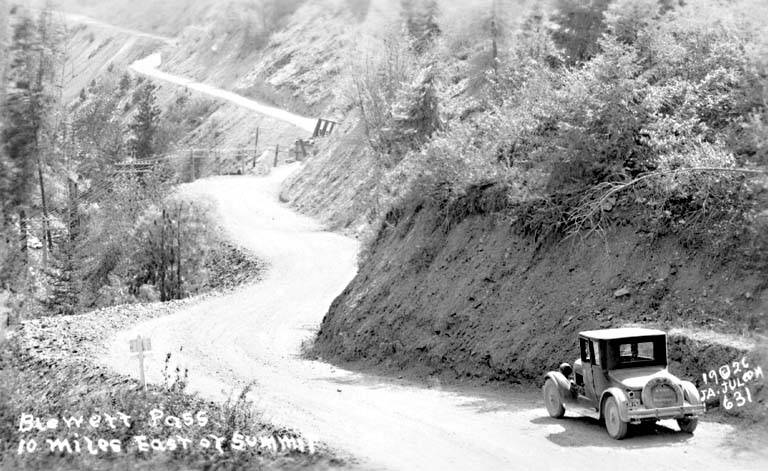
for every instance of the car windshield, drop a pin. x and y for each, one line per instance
(629, 353)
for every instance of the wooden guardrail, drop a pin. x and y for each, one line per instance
(324, 127)
(197, 163)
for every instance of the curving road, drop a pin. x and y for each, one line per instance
(149, 67)
(255, 334)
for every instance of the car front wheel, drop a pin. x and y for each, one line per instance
(617, 428)
(552, 399)
(687, 425)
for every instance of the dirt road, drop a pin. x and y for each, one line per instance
(255, 333)
(87, 20)
(149, 67)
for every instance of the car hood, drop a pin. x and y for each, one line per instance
(635, 378)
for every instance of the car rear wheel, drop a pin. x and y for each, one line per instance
(687, 425)
(552, 399)
(617, 428)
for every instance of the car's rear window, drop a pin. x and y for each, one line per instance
(636, 351)
(628, 353)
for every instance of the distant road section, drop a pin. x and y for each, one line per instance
(87, 20)
(149, 67)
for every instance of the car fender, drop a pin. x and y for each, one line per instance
(621, 398)
(563, 385)
(690, 393)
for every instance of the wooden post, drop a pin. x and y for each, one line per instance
(277, 149)
(142, 378)
(303, 149)
(140, 345)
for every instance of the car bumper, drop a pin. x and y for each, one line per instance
(667, 412)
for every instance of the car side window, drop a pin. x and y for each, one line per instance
(596, 346)
(585, 351)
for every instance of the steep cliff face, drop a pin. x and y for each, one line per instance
(468, 296)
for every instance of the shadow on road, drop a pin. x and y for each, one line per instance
(587, 431)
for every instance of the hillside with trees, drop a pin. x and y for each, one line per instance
(584, 165)
(78, 233)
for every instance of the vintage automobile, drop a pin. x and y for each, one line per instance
(620, 378)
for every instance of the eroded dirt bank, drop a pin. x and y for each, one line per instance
(458, 292)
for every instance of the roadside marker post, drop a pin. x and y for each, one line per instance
(277, 151)
(139, 345)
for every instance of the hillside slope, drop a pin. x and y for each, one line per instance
(460, 293)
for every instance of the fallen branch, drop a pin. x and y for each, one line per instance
(591, 204)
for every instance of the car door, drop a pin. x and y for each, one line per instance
(599, 381)
(586, 361)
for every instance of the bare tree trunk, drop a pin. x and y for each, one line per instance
(73, 222)
(46, 226)
(23, 235)
(39, 89)
(3, 66)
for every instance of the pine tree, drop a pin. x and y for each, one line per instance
(489, 56)
(64, 276)
(6, 166)
(25, 112)
(580, 25)
(416, 115)
(420, 20)
(145, 122)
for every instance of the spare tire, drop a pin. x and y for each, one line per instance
(661, 392)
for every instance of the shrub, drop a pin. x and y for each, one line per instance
(377, 85)
(170, 248)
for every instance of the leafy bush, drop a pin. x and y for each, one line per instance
(379, 84)
(170, 247)
(656, 105)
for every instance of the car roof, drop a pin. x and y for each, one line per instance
(620, 333)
